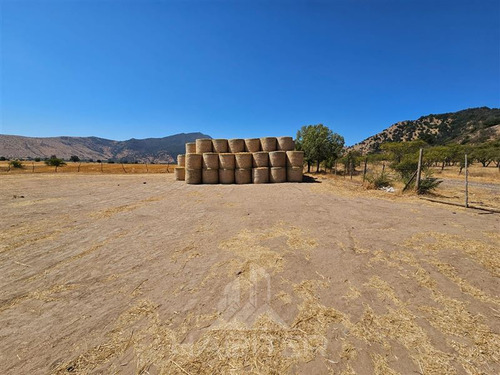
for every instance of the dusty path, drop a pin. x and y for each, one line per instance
(106, 274)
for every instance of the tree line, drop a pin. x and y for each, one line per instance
(325, 148)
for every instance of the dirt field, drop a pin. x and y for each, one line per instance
(137, 273)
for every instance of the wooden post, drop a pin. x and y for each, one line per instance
(147, 170)
(79, 165)
(466, 183)
(383, 168)
(168, 165)
(364, 169)
(33, 167)
(101, 167)
(123, 167)
(419, 169)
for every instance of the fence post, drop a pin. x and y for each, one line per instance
(351, 167)
(101, 167)
(419, 169)
(364, 169)
(33, 167)
(466, 183)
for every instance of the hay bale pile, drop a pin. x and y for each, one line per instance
(240, 161)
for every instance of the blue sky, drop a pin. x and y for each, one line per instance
(123, 69)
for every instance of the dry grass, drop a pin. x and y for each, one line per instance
(91, 168)
(476, 345)
(484, 188)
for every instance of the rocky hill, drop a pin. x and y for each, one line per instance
(474, 125)
(158, 150)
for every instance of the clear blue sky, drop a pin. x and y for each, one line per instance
(123, 69)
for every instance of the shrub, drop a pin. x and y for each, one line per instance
(428, 183)
(381, 180)
(16, 164)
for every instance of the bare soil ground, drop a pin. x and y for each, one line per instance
(142, 274)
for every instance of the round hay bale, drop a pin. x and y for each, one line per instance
(243, 160)
(210, 160)
(277, 159)
(277, 174)
(243, 176)
(226, 161)
(268, 143)
(180, 173)
(193, 176)
(252, 145)
(191, 148)
(220, 145)
(260, 159)
(236, 145)
(181, 160)
(193, 161)
(210, 176)
(203, 145)
(260, 175)
(226, 176)
(294, 174)
(285, 143)
(295, 158)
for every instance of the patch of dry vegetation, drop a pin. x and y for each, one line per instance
(84, 167)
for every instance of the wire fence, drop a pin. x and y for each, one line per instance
(463, 183)
(84, 167)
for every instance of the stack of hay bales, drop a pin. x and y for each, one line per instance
(240, 161)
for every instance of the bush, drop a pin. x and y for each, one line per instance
(427, 184)
(16, 164)
(37, 159)
(377, 182)
(406, 168)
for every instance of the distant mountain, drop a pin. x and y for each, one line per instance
(474, 125)
(156, 150)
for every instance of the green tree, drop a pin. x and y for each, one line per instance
(319, 143)
(55, 162)
(74, 158)
(396, 151)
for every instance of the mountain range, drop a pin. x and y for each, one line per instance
(473, 125)
(151, 150)
(469, 126)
